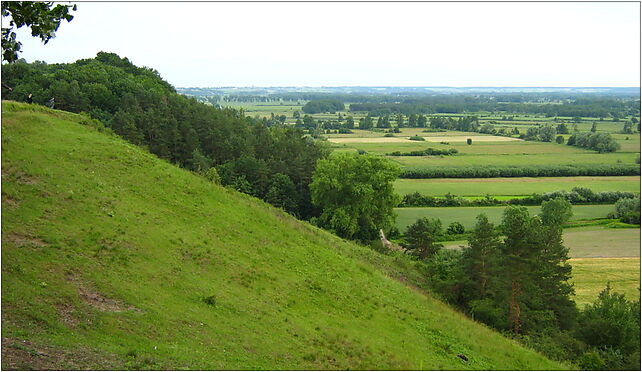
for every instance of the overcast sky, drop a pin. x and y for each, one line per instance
(370, 44)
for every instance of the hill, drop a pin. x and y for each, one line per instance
(115, 259)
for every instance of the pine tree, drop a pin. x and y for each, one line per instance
(480, 259)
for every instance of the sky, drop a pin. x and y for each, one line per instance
(366, 44)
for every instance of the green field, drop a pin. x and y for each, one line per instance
(514, 186)
(467, 215)
(596, 242)
(515, 159)
(590, 276)
(115, 259)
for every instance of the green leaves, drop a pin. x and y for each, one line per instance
(355, 194)
(39, 16)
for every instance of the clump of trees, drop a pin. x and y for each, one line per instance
(426, 152)
(355, 195)
(628, 210)
(515, 278)
(578, 195)
(600, 142)
(323, 105)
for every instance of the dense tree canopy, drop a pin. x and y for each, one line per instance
(323, 105)
(356, 194)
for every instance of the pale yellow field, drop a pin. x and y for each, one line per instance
(428, 139)
(590, 276)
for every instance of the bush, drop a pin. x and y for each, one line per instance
(417, 138)
(559, 140)
(213, 176)
(426, 152)
(455, 228)
(469, 141)
(628, 210)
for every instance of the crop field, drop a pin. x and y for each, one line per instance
(513, 186)
(485, 148)
(467, 215)
(598, 242)
(590, 276)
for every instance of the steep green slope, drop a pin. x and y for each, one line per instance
(112, 258)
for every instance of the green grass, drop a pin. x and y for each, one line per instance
(515, 160)
(590, 276)
(114, 259)
(513, 186)
(467, 215)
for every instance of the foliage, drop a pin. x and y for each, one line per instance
(627, 209)
(416, 138)
(323, 105)
(422, 235)
(600, 142)
(355, 194)
(455, 228)
(427, 152)
(42, 17)
(611, 325)
(523, 171)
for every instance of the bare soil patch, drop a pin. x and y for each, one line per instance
(97, 300)
(23, 240)
(20, 354)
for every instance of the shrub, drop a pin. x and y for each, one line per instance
(210, 300)
(213, 176)
(417, 138)
(628, 210)
(559, 140)
(455, 228)
(469, 141)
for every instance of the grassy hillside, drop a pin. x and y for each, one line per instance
(114, 259)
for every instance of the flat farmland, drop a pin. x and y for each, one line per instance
(595, 242)
(513, 185)
(592, 242)
(467, 215)
(590, 276)
(484, 148)
(515, 159)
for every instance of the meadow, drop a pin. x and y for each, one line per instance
(514, 186)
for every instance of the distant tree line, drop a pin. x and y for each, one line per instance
(427, 152)
(523, 171)
(578, 195)
(145, 110)
(600, 107)
(323, 105)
